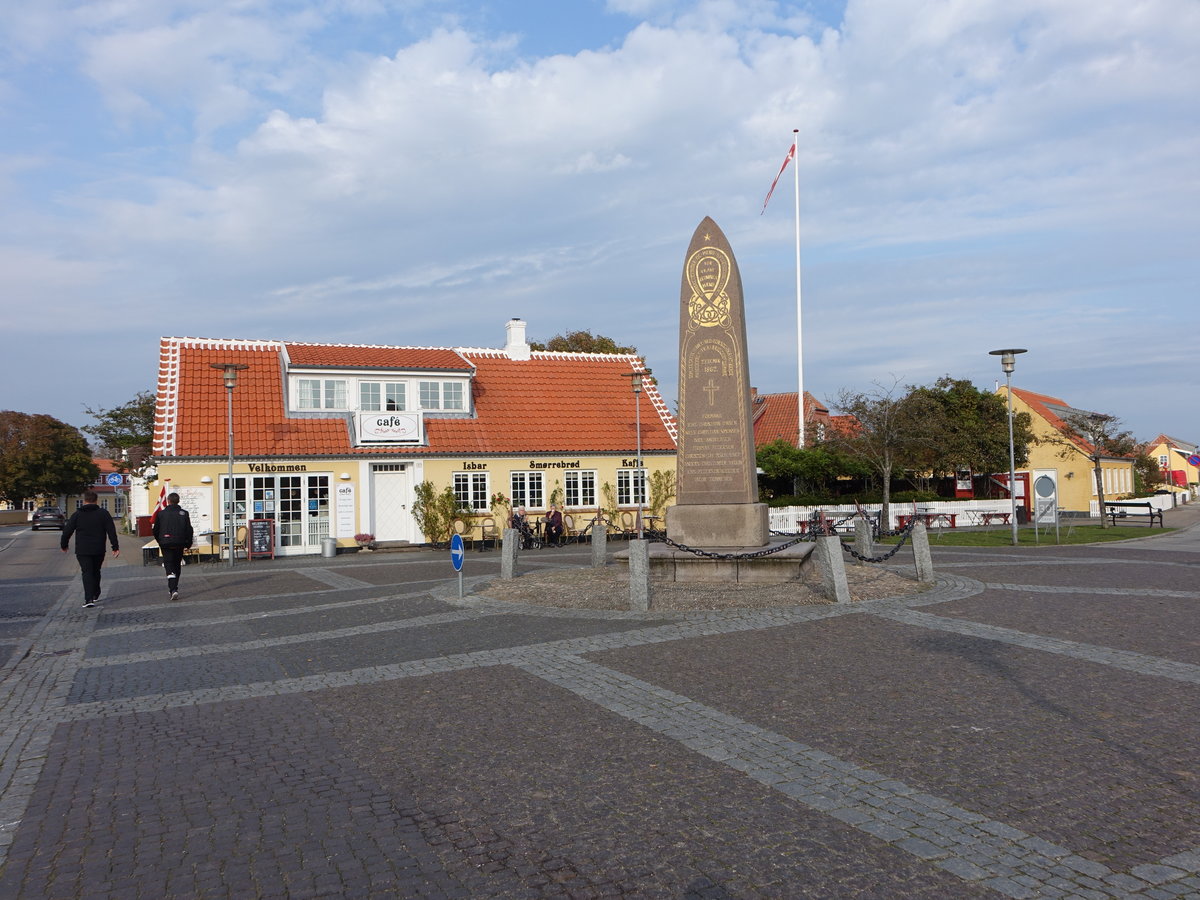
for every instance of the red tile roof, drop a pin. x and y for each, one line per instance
(1052, 409)
(352, 356)
(776, 417)
(550, 403)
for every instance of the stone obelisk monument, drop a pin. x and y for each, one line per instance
(717, 487)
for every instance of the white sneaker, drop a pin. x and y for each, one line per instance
(174, 595)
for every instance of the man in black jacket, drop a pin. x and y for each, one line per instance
(91, 525)
(173, 531)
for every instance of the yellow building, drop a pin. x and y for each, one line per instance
(1173, 457)
(1060, 467)
(332, 440)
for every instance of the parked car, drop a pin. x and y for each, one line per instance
(48, 517)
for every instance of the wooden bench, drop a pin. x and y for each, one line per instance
(1119, 509)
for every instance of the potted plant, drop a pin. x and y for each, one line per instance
(365, 541)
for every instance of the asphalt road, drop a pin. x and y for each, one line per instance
(349, 727)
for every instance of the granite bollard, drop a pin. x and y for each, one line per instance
(833, 569)
(599, 545)
(508, 553)
(639, 576)
(864, 543)
(922, 558)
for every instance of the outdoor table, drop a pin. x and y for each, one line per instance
(214, 539)
(931, 519)
(990, 517)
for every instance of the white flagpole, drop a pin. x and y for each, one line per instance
(799, 316)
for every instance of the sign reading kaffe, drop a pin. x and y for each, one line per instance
(717, 485)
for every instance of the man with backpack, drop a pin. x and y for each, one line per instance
(173, 532)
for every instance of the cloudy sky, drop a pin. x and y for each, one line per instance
(974, 174)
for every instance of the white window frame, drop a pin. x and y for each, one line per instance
(527, 489)
(579, 489)
(442, 395)
(630, 483)
(328, 393)
(473, 490)
(390, 396)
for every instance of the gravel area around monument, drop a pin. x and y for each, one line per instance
(608, 589)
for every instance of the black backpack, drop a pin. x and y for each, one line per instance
(174, 527)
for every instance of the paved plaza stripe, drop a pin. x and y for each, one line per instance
(238, 618)
(1108, 656)
(335, 579)
(964, 843)
(306, 637)
(1107, 592)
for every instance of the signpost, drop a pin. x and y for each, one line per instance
(114, 479)
(457, 554)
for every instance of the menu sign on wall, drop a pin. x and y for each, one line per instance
(389, 428)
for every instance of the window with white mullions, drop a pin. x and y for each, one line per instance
(380, 396)
(525, 489)
(471, 490)
(579, 489)
(631, 487)
(321, 393)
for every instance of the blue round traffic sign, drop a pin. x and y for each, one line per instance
(114, 479)
(457, 551)
(1194, 460)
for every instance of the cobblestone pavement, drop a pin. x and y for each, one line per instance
(351, 727)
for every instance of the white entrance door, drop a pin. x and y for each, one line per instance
(392, 494)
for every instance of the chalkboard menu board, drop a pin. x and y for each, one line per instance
(262, 538)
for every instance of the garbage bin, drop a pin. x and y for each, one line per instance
(328, 547)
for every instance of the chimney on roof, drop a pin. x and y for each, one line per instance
(515, 344)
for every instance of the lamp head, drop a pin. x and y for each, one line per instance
(230, 370)
(1008, 358)
(636, 379)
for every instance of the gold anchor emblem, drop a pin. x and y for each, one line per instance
(708, 272)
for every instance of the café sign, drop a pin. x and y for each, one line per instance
(389, 428)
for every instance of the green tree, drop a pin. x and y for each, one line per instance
(126, 432)
(42, 457)
(969, 429)
(435, 511)
(1147, 475)
(811, 470)
(1098, 436)
(891, 432)
(662, 490)
(582, 342)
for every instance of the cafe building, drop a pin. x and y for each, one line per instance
(332, 440)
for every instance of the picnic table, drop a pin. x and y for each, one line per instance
(931, 519)
(988, 518)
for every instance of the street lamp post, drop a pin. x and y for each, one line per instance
(636, 382)
(1008, 362)
(230, 378)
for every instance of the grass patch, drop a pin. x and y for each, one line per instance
(1002, 537)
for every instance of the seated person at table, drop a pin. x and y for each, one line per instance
(554, 525)
(520, 521)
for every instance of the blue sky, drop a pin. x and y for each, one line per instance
(973, 175)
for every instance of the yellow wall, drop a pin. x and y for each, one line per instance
(1074, 471)
(204, 499)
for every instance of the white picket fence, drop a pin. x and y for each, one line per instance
(789, 519)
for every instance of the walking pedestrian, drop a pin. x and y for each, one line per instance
(91, 525)
(173, 532)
